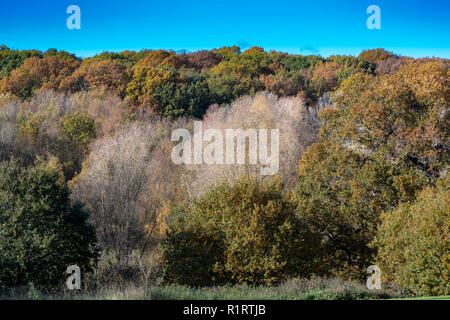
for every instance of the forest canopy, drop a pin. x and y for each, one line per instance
(364, 160)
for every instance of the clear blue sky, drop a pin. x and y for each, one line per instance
(410, 27)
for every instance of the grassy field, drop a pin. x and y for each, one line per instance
(425, 298)
(295, 289)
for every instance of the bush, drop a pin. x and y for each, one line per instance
(41, 233)
(244, 232)
(139, 271)
(79, 127)
(414, 245)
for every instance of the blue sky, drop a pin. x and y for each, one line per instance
(409, 27)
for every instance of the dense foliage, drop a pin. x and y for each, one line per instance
(414, 242)
(364, 149)
(382, 141)
(341, 194)
(174, 85)
(243, 232)
(41, 232)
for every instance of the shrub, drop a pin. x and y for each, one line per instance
(79, 127)
(41, 232)
(414, 246)
(244, 232)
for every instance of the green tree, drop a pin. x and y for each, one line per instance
(190, 98)
(341, 194)
(12, 59)
(298, 62)
(237, 233)
(155, 70)
(41, 232)
(414, 245)
(77, 131)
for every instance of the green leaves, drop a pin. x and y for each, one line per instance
(78, 127)
(414, 245)
(240, 233)
(41, 233)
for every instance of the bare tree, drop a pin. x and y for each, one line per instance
(127, 181)
(264, 111)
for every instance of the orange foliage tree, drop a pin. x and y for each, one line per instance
(39, 73)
